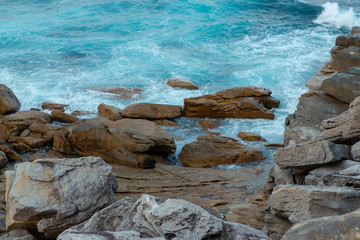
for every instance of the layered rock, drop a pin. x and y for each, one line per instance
(238, 102)
(54, 106)
(109, 112)
(181, 83)
(8, 101)
(63, 117)
(151, 111)
(121, 92)
(217, 150)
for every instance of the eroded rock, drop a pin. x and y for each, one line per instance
(8, 101)
(181, 83)
(109, 112)
(151, 111)
(63, 117)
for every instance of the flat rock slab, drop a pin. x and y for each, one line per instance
(299, 203)
(9, 103)
(151, 111)
(121, 92)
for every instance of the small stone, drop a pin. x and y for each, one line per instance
(166, 123)
(80, 113)
(25, 133)
(22, 147)
(274, 145)
(181, 83)
(121, 92)
(250, 137)
(61, 144)
(41, 127)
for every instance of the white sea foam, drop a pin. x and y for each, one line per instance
(333, 15)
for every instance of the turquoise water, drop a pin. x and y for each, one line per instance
(56, 51)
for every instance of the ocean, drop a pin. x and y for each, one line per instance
(59, 50)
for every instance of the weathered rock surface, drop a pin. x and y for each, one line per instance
(345, 57)
(250, 137)
(217, 150)
(8, 101)
(61, 144)
(276, 227)
(3, 159)
(55, 194)
(311, 154)
(151, 111)
(281, 176)
(130, 142)
(165, 122)
(355, 152)
(181, 83)
(40, 127)
(238, 102)
(121, 92)
(207, 124)
(18, 234)
(299, 203)
(335, 227)
(10, 153)
(315, 82)
(63, 117)
(54, 106)
(109, 112)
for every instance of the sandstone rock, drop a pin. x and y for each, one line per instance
(21, 147)
(54, 106)
(3, 159)
(131, 142)
(250, 137)
(238, 102)
(345, 57)
(121, 92)
(181, 83)
(41, 127)
(123, 235)
(10, 153)
(18, 234)
(25, 133)
(348, 40)
(311, 154)
(55, 194)
(109, 112)
(299, 203)
(151, 111)
(355, 151)
(315, 82)
(355, 30)
(217, 150)
(274, 145)
(335, 227)
(344, 86)
(282, 176)
(166, 123)
(30, 141)
(63, 117)
(61, 144)
(80, 113)
(276, 227)
(207, 124)
(8, 101)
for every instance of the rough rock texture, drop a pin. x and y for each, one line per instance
(18, 234)
(217, 150)
(311, 154)
(345, 57)
(181, 83)
(355, 151)
(151, 111)
(10, 153)
(54, 106)
(344, 86)
(207, 124)
(335, 227)
(281, 176)
(40, 127)
(250, 137)
(130, 142)
(55, 194)
(63, 117)
(276, 227)
(315, 82)
(238, 102)
(344, 128)
(299, 203)
(166, 123)
(121, 92)
(3, 159)
(123, 235)
(61, 144)
(8, 101)
(109, 112)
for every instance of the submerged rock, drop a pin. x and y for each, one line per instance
(151, 111)
(207, 124)
(9, 103)
(250, 137)
(181, 83)
(121, 92)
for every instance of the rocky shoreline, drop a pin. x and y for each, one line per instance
(108, 177)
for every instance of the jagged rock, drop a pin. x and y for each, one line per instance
(276, 227)
(299, 203)
(250, 137)
(121, 92)
(8, 101)
(327, 71)
(54, 106)
(63, 117)
(237, 102)
(130, 142)
(344, 86)
(355, 151)
(217, 150)
(109, 112)
(181, 83)
(3, 159)
(61, 144)
(30, 141)
(10, 153)
(55, 194)
(18, 234)
(151, 111)
(207, 124)
(348, 40)
(40, 127)
(335, 227)
(281, 176)
(345, 57)
(311, 154)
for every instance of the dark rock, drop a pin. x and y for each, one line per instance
(151, 111)
(181, 83)
(8, 101)
(207, 124)
(345, 57)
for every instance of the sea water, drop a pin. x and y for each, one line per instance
(58, 50)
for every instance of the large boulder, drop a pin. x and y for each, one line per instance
(8, 101)
(299, 203)
(151, 111)
(217, 150)
(130, 142)
(51, 195)
(237, 102)
(181, 83)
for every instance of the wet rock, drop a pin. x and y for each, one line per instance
(238, 102)
(345, 57)
(40, 127)
(207, 124)
(151, 111)
(55, 194)
(217, 150)
(299, 203)
(250, 137)
(18, 234)
(63, 117)
(54, 106)
(3, 159)
(181, 83)
(130, 142)
(61, 144)
(80, 113)
(8, 101)
(121, 92)
(355, 30)
(109, 112)
(274, 145)
(166, 123)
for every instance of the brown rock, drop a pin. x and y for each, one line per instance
(207, 124)
(10, 153)
(122, 92)
(166, 123)
(80, 113)
(326, 72)
(35, 135)
(61, 144)
(355, 30)
(345, 57)
(181, 83)
(49, 136)
(30, 141)
(22, 147)
(35, 156)
(25, 133)
(54, 106)
(251, 137)
(41, 127)
(3, 159)
(213, 133)
(274, 145)
(8, 101)
(217, 150)
(109, 112)
(63, 117)
(151, 111)
(238, 102)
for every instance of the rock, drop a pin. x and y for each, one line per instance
(299, 203)
(276, 227)
(25, 133)
(217, 150)
(345, 57)
(151, 111)
(274, 145)
(166, 123)
(30, 141)
(18, 234)
(327, 71)
(63, 117)
(311, 154)
(40, 127)
(54, 106)
(344, 86)
(109, 112)
(2, 222)
(21, 147)
(281, 176)
(122, 92)
(344, 128)
(3, 159)
(123, 235)
(355, 30)
(335, 227)
(348, 40)
(61, 144)
(355, 151)
(10, 153)
(55, 194)
(130, 142)
(238, 102)
(181, 83)
(250, 137)
(80, 113)
(8, 101)
(207, 124)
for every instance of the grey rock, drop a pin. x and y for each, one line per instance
(282, 176)
(355, 151)
(106, 235)
(299, 203)
(275, 227)
(9, 103)
(18, 234)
